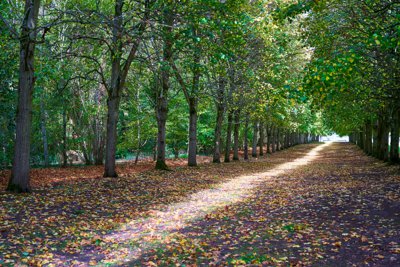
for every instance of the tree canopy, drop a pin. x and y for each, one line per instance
(120, 78)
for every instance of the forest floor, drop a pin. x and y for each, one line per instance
(310, 205)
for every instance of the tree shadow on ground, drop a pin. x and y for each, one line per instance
(65, 225)
(342, 210)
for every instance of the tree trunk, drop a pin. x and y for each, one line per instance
(255, 139)
(383, 136)
(394, 137)
(155, 150)
(98, 146)
(162, 113)
(285, 140)
(273, 141)
(246, 139)
(361, 139)
(278, 139)
(262, 137)
(86, 155)
(137, 155)
(236, 135)
(228, 143)
(269, 138)
(192, 150)
(98, 128)
(19, 179)
(176, 151)
(119, 73)
(64, 143)
(111, 139)
(220, 118)
(162, 103)
(114, 93)
(368, 137)
(374, 139)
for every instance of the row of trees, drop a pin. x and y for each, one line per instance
(105, 77)
(354, 76)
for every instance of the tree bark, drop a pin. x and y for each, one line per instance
(374, 138)
(246, 139)
(192, 150)
(111, 141)
(162, 103)
(114, 92)
(219, 120)
(255, 139)
(278, 139)
(119, 73)
(273, 141)
(262, 137)
(394, 137)
(236, 135)
(269, 138)
(368, 137)
(228, 140)
(64, 143)
(361, 139)
(383, 136)
(162, 112)
(98, 128)
(192, 100)
(19, 179)
(155, 150)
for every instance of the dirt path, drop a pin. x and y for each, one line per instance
(312, 205)
(340, 209)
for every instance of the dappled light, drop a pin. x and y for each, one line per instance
(199, 133)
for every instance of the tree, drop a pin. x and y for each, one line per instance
(19, 180)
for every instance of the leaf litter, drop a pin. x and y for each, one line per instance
(342, 207)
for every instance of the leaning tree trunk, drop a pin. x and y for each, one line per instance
(119, 73)
(255, 139)
(228, 139)
(394, 137)
(192, 150)
(236, 135)
(19, 179)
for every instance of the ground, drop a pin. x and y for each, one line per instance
(310, 205)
